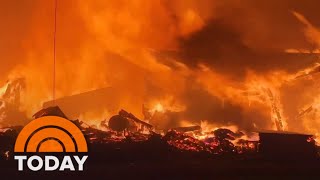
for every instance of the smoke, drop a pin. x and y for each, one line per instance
(251, 35)
(205, 57)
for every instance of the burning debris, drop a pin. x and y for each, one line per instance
(207, 85)
(309, 72)
(219, 141)
(187, 129)
(126, 121)
(276, 115)
(183, 142)
(248, 64)
(128, 115)
(10, 101)
(125, 130)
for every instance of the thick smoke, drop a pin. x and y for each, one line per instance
(252, 35)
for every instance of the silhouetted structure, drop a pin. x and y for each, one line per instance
(285, 145)
(50, 111)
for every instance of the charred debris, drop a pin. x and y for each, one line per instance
(124, 133)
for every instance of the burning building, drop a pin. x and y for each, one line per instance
(91, 101)
(198, 61)
(240, 67)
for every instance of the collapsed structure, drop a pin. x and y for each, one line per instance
(125, 131)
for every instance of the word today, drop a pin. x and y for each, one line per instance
(51, 163)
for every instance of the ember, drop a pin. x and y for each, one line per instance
(162, 79)
(218, 142)
(131, 144)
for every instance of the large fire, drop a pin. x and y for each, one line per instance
(171, 63)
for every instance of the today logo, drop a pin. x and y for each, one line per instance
(46, 141)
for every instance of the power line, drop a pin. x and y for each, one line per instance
(54, 51)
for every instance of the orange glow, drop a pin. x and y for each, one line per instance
(157, 108)
(194, 62)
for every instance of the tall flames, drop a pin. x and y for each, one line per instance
(190, 57)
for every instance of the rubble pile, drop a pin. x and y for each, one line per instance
(184, 142)
(129, 134)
